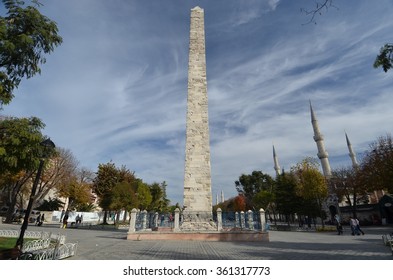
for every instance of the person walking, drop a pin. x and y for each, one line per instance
(338, 224)
(352, 223)
(358, 227)
(61, 215)
(38, 220)
(65, 219)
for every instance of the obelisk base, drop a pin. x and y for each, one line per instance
(198, 221)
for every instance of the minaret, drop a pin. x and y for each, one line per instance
(222, 196)
(352, 155)
(197, 172)
(318, 138)
(276, 165)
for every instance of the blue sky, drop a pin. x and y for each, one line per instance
(116, 88)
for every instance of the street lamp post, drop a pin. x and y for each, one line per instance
(48, 145)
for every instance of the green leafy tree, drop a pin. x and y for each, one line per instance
(385, 58)
(20, 147)
(20, 153)
(159, 201)
(263, 199)
(123, 198)
(287, 201)
(251, 184)
(143, 195)
(107, 177)
(25, 36)
(311, 185)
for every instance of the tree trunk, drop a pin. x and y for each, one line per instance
(105, 217)
(12, 202)
(13, 192)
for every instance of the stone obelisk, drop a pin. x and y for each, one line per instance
(197, 212)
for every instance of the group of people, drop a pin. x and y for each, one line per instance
(355, 226)
(64, 218)
(353, 223)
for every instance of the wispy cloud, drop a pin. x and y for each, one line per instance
(247, 11)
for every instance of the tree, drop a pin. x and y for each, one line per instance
(376, 169)
(123, 197)
(107, 177)
(385, 58)
(311, 185)
(324, 5)
(143, 195)
(287, 201)
(60, 173)
(346, 183)
(159, 201)
(263, 199)
(239, 203)
(250, 185)
(25, 35)
(13, 190)
(20, 147)
(76, 187)
(20, 153)
(105, 180)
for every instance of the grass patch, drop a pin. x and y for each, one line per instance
(9, 242)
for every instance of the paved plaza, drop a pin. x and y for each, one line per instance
(111, 244)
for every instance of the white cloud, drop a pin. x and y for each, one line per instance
(247, 11)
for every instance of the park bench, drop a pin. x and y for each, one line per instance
(45, 246)
(388, 240)
(391, 245)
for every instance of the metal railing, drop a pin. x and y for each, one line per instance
(45, 246)
(220, 221)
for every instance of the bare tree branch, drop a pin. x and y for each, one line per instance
(320, 7)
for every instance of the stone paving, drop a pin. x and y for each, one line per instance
(111, 244)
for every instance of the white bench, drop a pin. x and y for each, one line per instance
(391, 245)
(388, 240)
